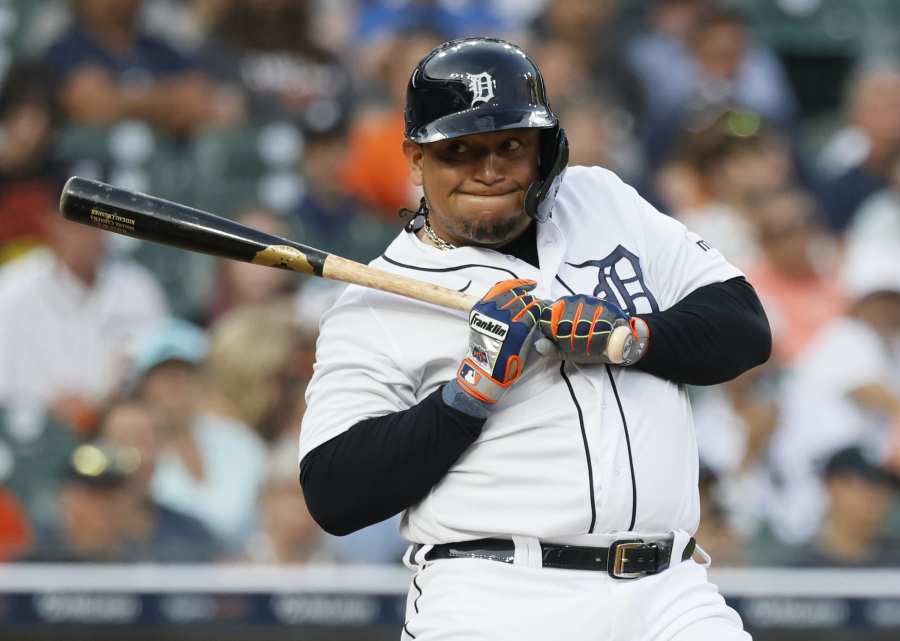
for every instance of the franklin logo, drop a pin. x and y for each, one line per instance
(482, 87)
(488, 326)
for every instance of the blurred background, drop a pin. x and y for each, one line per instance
(150, 398)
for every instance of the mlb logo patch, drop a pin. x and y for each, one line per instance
(468, 374)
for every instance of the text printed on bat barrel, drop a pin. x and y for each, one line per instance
(112, 222)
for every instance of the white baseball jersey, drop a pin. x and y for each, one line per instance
(570, 449)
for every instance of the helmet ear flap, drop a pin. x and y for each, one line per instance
(552, 161)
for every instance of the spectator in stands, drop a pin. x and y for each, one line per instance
(601, 134)
(859, 493)
(34, 454)
(715, 534)
(91, 522)
(600, 130)
(289, 534)
(156, 533)
(843, 391)
(873, 138)
(272, 50)
(734, 424)
(694, 49)
(795, 276)
(66, 313)
(591, 30)
(245, 376)
(876, 227)
(726, 161)
(110, 69)
(376, 171)
(717, 65)
(329, 216)
(248, 284)
(208, 466)
(566, 73)
(659, 52)
(29, 179)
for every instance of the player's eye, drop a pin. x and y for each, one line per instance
(454, 152)
(513, 144)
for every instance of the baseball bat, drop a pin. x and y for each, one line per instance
(139, 215)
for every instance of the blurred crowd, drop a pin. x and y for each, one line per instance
(150, 398)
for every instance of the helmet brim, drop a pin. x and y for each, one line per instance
(484, 120)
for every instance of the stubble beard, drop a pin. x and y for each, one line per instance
(484, 232)
(491, 233)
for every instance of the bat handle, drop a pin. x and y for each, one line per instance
(348, 271)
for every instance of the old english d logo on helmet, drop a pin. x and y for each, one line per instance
(479, 85)
(482, 87)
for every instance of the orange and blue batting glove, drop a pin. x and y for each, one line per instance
(586, 329)
(502, 328)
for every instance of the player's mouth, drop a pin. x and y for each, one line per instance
(492, 194)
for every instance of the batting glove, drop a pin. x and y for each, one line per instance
(502, 328)
(589, 330)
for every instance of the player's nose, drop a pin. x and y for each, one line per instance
(489, 169)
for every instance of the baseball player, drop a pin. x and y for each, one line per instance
(540, 448)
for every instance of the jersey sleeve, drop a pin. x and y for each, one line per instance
(680, 261)
(356, 375)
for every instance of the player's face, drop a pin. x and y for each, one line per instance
(475, 185)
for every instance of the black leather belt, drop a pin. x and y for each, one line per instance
(624, 559)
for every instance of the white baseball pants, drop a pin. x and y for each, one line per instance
(485, 600)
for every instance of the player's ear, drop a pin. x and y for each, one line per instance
(414, 156)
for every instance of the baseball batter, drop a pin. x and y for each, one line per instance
(547, 477)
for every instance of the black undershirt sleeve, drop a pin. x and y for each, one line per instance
(383, 465)
(711, 336)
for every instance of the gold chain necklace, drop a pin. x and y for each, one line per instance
(439, 242)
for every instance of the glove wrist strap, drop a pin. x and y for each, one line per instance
(459, 399)
(637, 343)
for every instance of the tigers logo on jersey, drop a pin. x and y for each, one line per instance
(621, 281)
(482, 87)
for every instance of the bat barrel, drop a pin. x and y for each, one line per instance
(131, 213)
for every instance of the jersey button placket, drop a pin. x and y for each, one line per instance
(591, 404)
(602, 442)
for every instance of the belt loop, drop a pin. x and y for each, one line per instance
(414, 557)
(680, 542)
(408, 556)
(707, 559)
(528, 551)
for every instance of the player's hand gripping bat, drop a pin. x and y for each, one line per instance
(139, 215)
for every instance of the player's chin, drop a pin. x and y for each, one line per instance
(495, 231)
